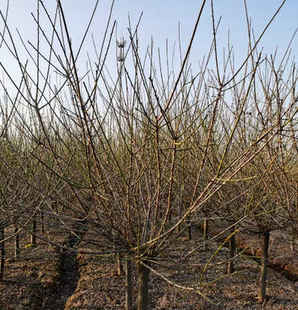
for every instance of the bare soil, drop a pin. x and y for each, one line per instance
(46, 277)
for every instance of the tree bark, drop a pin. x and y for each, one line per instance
(143, 281)
(264, 265)
(17, 243)
(128, 284)
(2, 248)
(205, 232)
(119, 268)
(117, 257)
(293, 238)
(189, 229)
(232, 248)
(34, 230)
(42, 222)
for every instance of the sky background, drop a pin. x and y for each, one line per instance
(160, 21)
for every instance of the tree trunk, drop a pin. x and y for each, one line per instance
(264, 265)
(128, 285)
(205, 232)
(143, 281)
(293, 238)
(189, 229)
(42, 222)
(2, 248)
(33, 234)
(119, 268)
(117, 257)
(17, 243)
(232, 248)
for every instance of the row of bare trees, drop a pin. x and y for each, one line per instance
(141, 155)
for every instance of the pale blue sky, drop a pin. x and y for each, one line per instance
(160, 20)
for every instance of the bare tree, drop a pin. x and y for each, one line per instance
(125, 162)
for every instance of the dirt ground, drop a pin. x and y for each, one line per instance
(100, 287)
(38, 280)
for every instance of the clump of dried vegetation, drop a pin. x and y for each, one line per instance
(106, 176)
